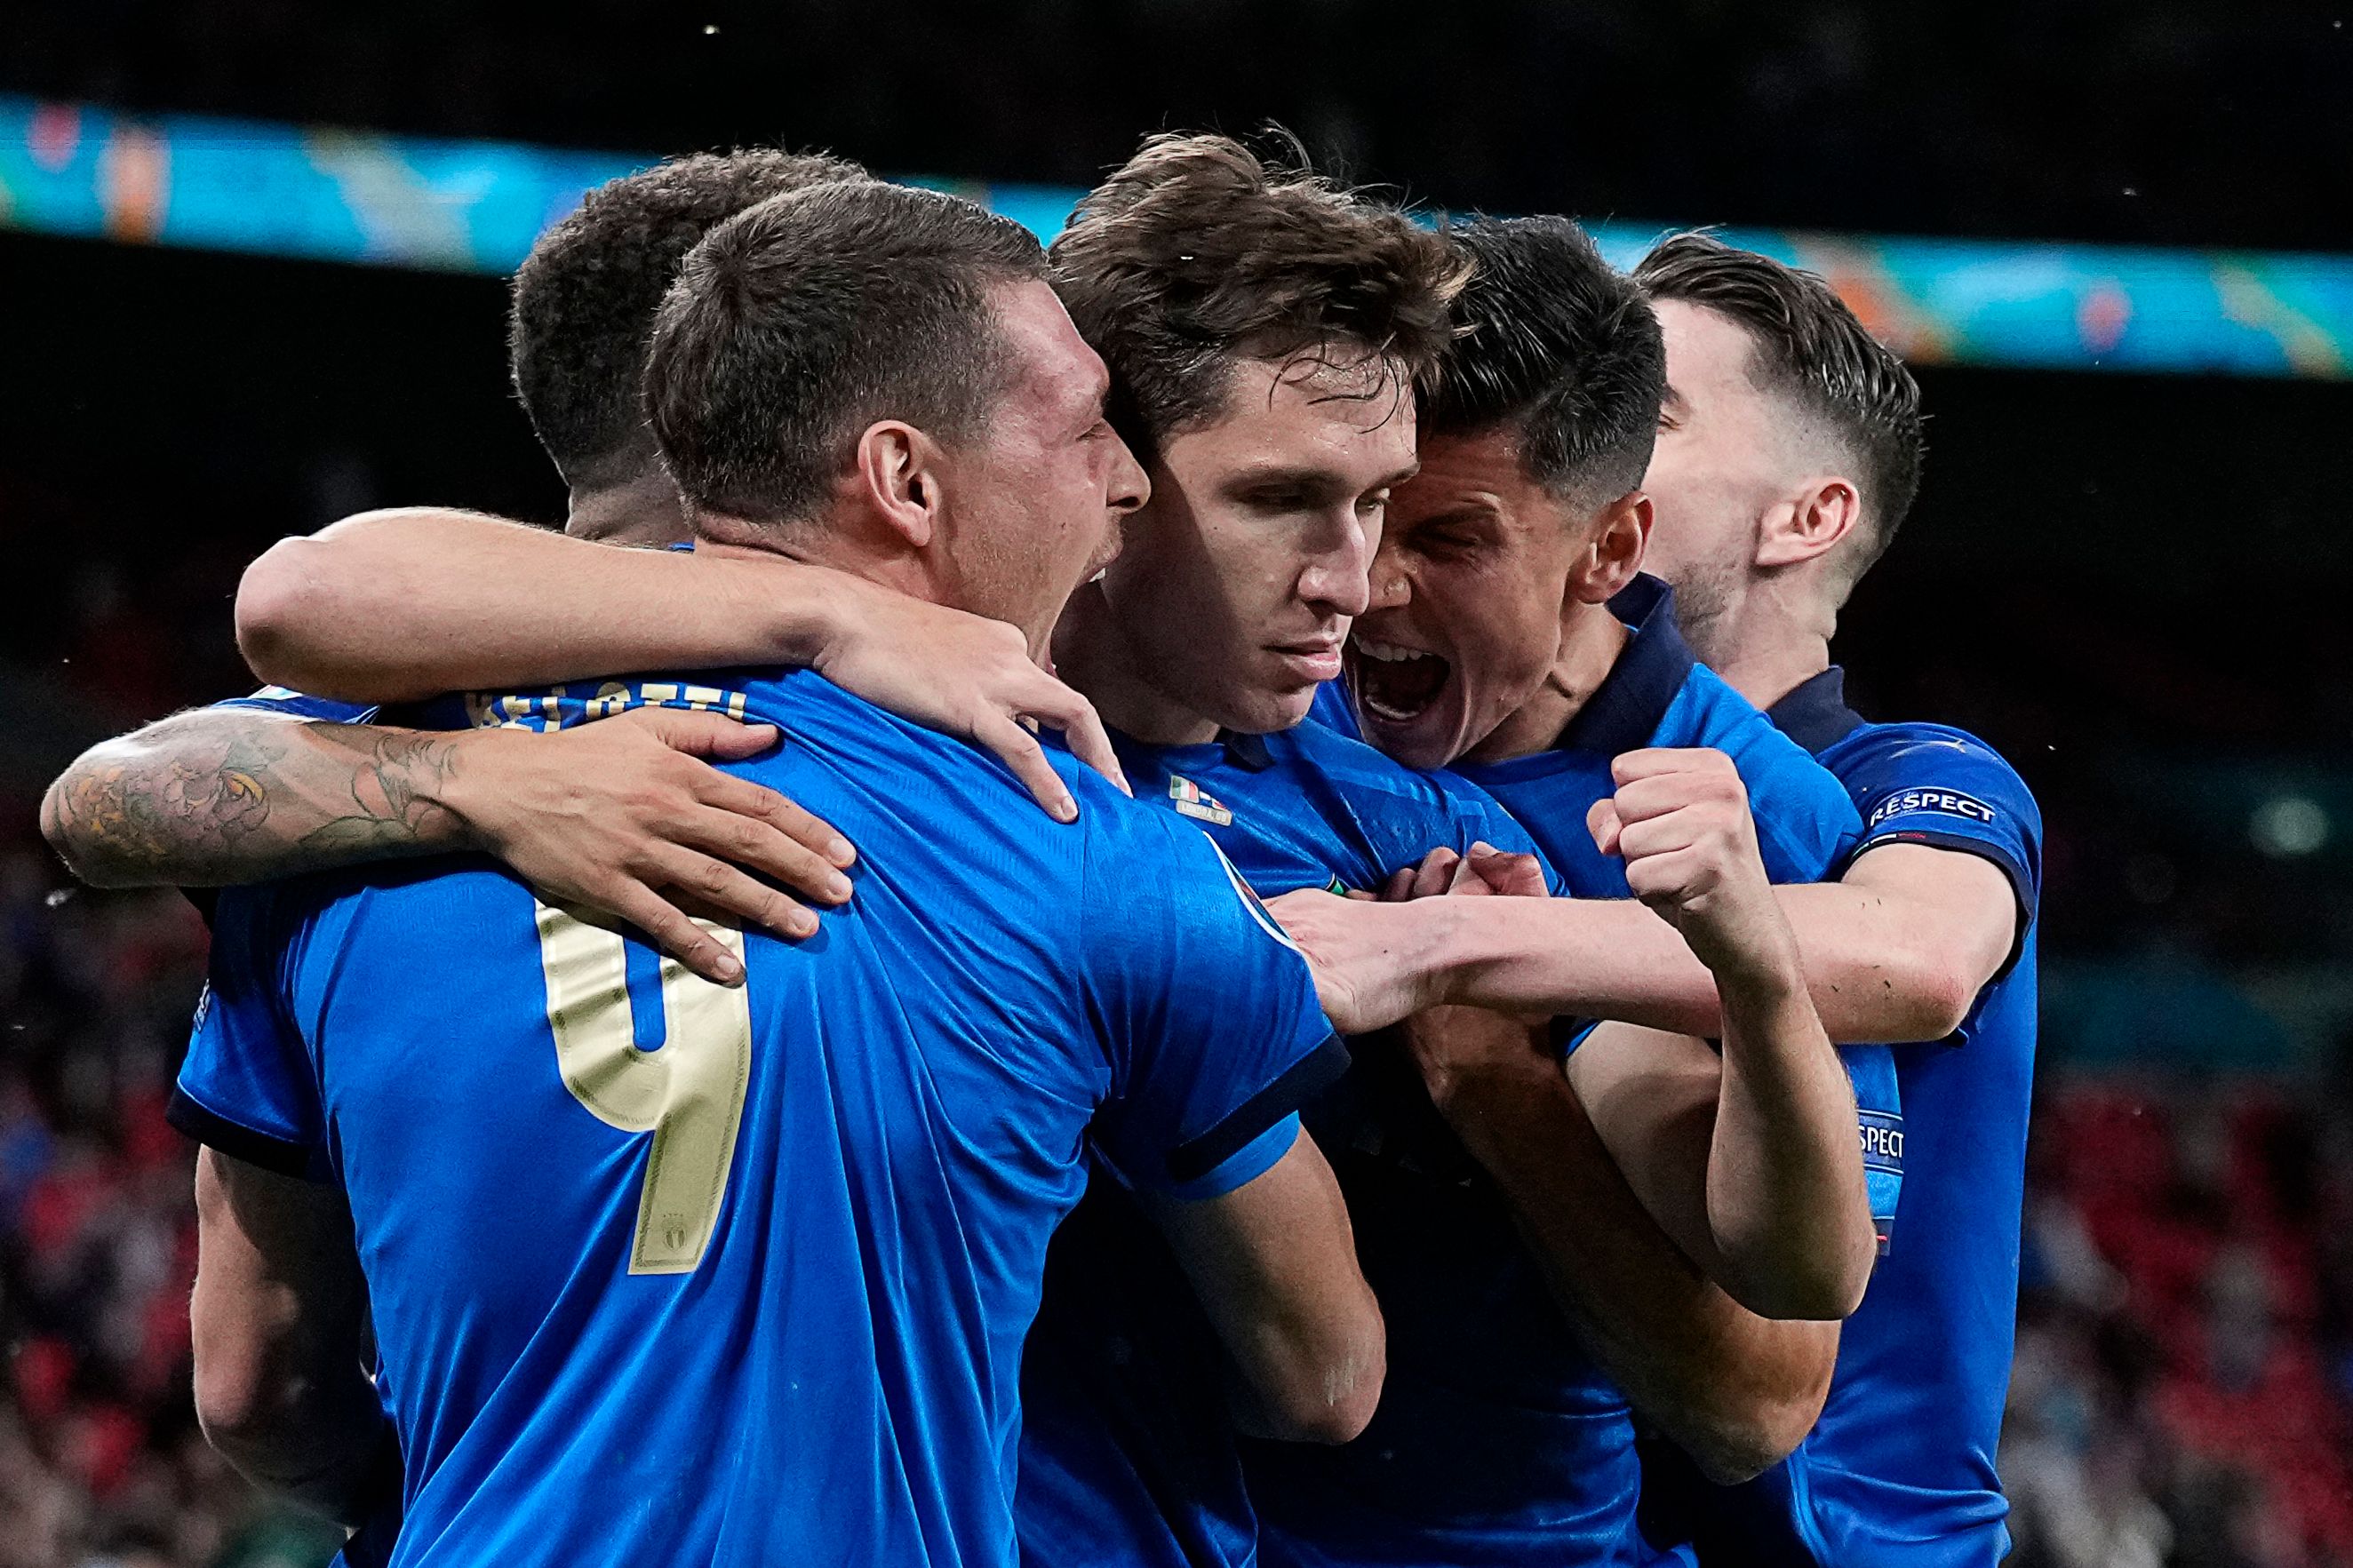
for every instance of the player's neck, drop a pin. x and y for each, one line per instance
(1770, 643)
(641, 510)
(1092, 657)
(1591, 638)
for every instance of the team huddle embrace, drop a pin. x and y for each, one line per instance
(1202, 897)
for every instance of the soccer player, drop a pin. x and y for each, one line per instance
(1264, 329)
(1243, 315)
(1204, 673)
(1503, 638)
(620, 815)
(747, 1284)
(1789, 452)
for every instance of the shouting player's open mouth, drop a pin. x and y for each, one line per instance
(1396, 684)
(1400, 691)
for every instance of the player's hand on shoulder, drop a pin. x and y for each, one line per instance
(1680, 820)
(966, 676)
(630, 816)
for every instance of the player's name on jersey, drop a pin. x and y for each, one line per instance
(562, 706)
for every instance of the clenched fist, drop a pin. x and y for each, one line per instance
(1679, 821)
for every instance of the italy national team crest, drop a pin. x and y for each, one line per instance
(1193, 801)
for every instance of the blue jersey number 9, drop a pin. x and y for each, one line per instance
(689, 1094)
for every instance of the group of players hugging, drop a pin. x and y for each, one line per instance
(1483, 1056)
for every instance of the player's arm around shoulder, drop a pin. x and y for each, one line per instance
(1749, 1161)
(1951, 854)
(279, 1319)
(627, 815)
(1947, 924)
(397, 605)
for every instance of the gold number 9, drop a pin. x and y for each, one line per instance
(689, 1094)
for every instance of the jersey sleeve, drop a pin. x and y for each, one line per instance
(247, 1088)
(1206, 1009)
(1879, 1117)
(301, 705)
(1806, 821)
(1925, 783)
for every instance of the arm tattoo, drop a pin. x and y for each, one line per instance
(213, 797)
(394, 794)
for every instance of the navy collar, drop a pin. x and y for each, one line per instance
(1815, 714)
(1626, 709)
(1247, 753)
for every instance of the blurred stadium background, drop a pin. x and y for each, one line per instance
(2123, 262)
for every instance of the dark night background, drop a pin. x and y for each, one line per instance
(2134, 585)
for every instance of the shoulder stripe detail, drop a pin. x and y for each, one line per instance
(1306, 1078)
(236, 1140)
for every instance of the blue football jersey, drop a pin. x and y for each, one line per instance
(663, 1271)
(1499, 1439)
(301, 705)
(1900, 1470)
(1128, 1455)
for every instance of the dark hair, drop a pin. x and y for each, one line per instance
(1560, 347)
(1809, 347)
(799, 323)
(584, 300)
(1196, 253)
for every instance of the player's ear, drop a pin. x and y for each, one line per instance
(1621, 537)
(897, 472)
(1817, 514)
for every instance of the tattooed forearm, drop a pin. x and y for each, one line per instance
(221, 796)
(394, 799)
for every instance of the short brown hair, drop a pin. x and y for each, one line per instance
(1809, 348)
(801, 321)
(1196, 253)
(582, 308)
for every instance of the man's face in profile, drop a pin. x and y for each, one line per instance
(1039, 495)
